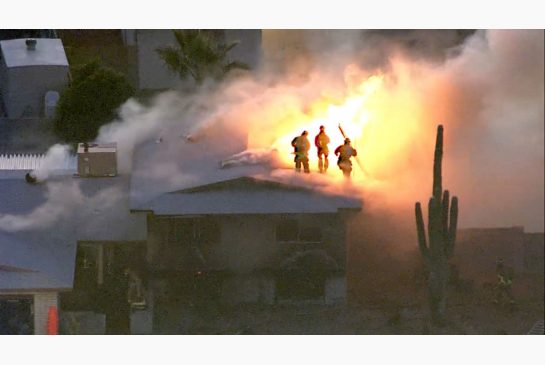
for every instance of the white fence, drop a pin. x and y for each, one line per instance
(32, 162)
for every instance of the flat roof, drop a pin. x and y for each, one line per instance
(48, 52)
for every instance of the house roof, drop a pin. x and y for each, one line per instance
(194, 181)
(248, 195)
(48, 52)
(44, 257)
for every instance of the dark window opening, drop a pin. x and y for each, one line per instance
(188, 243)
(16, 316)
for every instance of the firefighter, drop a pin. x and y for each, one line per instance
(344, 152)
(321, 141)
(503, 286)
(301, 146)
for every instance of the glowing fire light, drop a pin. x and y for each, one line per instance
(353, 114)
(381, 114)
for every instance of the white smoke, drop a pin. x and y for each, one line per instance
(487, 92)
(56, 159)
(62, 199)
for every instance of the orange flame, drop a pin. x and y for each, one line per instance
(381, 120)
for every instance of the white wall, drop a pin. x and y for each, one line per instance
(42, 302)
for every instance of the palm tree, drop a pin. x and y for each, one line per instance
(198, 55)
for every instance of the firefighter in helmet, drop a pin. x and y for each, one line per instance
(301, 146)
(345, 152)
(321, 141)
(505, 281)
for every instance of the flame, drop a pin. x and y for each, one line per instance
(381, 115)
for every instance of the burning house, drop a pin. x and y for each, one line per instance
(126, 253)
(236, 233)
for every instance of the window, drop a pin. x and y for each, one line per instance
(290, 230)
(191, 231)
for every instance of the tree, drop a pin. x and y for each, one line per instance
(197, 54)
(442, 224)
(89, 102)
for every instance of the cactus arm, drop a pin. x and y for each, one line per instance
(421, 231)
(430, 219)
(444, 214)
(453, 225)
(437, 162)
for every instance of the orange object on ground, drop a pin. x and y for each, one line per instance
(52, 321)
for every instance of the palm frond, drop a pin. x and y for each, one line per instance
(235, 65)
(198, 54)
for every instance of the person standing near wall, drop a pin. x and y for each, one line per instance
(504, 284)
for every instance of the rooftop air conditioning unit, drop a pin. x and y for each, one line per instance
(97, 160)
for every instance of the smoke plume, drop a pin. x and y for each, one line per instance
(486, 88)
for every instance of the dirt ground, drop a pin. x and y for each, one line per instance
(470, 312)
(467, 314)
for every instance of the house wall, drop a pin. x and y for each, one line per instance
(534, 252)
(152, 72)
(82, 323)
(248, 248)
(256, 288)
(335, 290)
(4, 86)
(26, 88)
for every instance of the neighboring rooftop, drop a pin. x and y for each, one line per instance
(47, 52)
(6, 34)
(44, 257)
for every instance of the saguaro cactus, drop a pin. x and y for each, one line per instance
(438, 247)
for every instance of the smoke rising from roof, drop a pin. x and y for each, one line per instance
(487, 91)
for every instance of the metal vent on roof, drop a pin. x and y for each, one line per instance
(97, 159)
(32, 162)
(30, 44)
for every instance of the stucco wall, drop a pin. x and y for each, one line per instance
(249, 242)
(24, 96)
(248, 289)
(248, 245)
